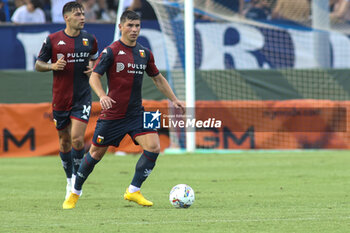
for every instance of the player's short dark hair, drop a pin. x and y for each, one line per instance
(70, 6)
(130, 15)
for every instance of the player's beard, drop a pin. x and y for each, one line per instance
(80, 26)
(133, 38)
(76, 26)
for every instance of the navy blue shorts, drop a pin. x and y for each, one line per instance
(80, 112)
(111, 132)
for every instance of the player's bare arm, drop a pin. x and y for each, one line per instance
(89, 68)
(43, 66)
(96, 85)
(162, 84)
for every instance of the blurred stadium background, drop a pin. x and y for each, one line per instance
(276, 72)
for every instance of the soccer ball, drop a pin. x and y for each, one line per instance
(181, 196)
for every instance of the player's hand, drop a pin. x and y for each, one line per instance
(60, 64)
(179, 105)
(88, 71)
(106, 102)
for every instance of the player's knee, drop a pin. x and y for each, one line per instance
(154, 147)
(65, 145)
(97, 152)
(78, 143)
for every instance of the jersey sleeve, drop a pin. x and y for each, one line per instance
(16, 16)
(94, 51)
(46, 50)
(104, 61)
(151, 69)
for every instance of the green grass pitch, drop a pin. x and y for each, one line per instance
(282, 192)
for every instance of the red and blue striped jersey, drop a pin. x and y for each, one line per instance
(71, 84)
(125, 67)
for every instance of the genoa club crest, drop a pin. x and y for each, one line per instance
(85, 42)
(100, 139)
(142, 53)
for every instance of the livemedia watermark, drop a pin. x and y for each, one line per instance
(269, 119)
(157, 120)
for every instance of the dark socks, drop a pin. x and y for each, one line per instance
(87, 165)
(67, 163)
(144, 167)
(77, 156)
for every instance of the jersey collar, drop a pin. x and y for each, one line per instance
(127, 45)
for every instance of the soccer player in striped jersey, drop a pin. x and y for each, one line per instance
(125, 62)
(72, 52)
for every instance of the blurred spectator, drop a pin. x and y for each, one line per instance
(132, 5)
(102, 11)
(112, 6)
(29, 13)
(127, 4)
(228, 6)
(2, 12)
(232, 5)
(296, 10)
(339, 11)
(90, 10)
(257, 10)
(144, 9)
(15, 4)
(47, 9)
(56, 10)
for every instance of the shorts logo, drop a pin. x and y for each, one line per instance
(142, 53)
(151, 120)
(55, 121)
(100, 139)
(120, 66)
(85, 42)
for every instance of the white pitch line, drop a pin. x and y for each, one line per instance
(114, 222)
(234, 220)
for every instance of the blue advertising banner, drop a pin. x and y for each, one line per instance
(218, 46)
(22, 43)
